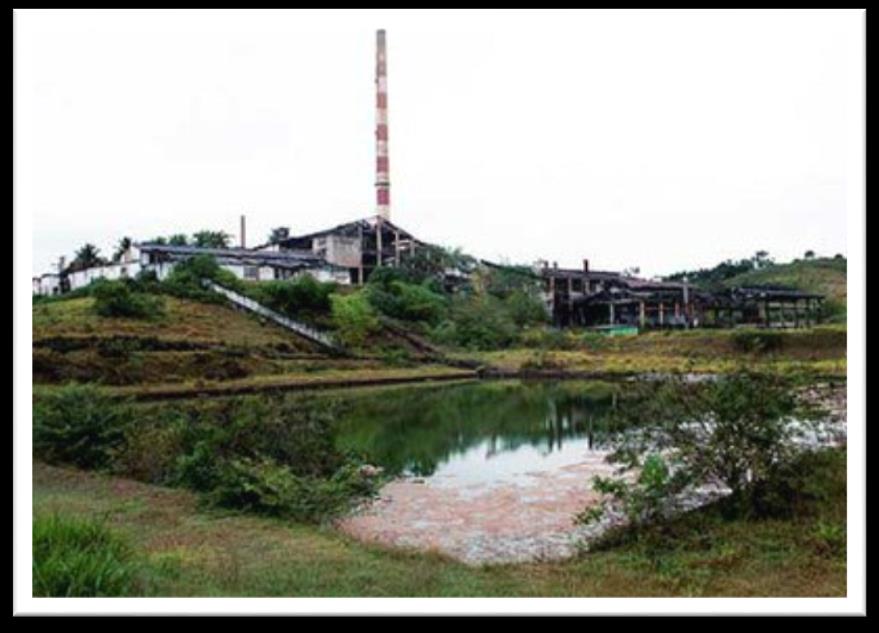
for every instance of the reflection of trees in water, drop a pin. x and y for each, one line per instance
(416, 430)
(575, 417)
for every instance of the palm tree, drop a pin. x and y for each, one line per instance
(123, 246)
(87, 257)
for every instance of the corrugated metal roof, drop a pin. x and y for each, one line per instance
(290, 259)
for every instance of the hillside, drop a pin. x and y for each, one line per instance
(199, 347)
(824, 276)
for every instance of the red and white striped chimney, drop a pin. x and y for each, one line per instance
(382, 166)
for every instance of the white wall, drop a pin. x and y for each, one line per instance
(47, 285)
(82, 278)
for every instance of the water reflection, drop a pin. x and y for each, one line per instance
(479, 431)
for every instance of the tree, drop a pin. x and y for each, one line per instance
(279, 233)
(124, 244)
(178, 239)
(740, 431)
(761, 259)
(87, 257)
(211, 239)
(809, 254)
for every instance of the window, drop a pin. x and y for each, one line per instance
(251, 272)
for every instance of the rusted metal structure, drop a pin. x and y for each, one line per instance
(359, 246)
(589, 298)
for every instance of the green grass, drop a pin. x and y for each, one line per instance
(824, 276)
(186, 321)
(81, 557)
(192, 552)
(816, 351)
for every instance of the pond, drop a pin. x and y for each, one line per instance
(486, 472)
(491, 472)
(479, 433)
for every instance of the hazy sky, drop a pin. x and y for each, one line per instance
(663, 140)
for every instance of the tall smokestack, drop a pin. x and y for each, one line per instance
(382, 166)
(243, 234)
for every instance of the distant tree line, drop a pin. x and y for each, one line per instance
(713, 278)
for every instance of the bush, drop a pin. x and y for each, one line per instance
(80, 558)
(300, 297)
(354, 319)
(150, 450)
(757, 341)
(392, 295)
(78, 424)
(115, 299)
(273, 457)
(185, 279)
(525, 308)
(737, 431)
(294, 433)
(477, 322)
(832, 311)
(267, 487)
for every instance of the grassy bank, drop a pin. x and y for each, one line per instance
(187, 551)
(817, 351)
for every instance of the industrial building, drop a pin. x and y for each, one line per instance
(350, 252)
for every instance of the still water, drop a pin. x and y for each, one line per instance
(480, 433)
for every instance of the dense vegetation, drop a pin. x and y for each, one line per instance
(272, 456)
(738, 432)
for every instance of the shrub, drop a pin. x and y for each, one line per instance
(115, 299)
(829, 538)
(80, 558)
(832, 311)
(737, 431)
(525, 308)
(757, 341)
(477, 322)
(185, 280)
(267, 487)
(303, 296)
(391, 295)
(292, 432)
(354, 319)
(150, 450)
(78, 424)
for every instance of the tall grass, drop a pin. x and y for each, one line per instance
(75, 557)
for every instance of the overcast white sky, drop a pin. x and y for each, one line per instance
(664, 140)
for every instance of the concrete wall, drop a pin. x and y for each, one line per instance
(82, 278)
(47, 285)
(339, 250)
